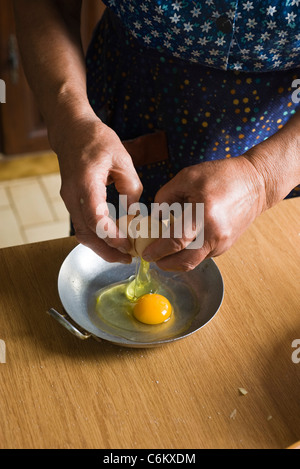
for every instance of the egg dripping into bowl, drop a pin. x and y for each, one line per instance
(147, 306)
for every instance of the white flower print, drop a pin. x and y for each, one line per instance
(271, 24)
(231, 14)
(282, 41)
(271, 10)
(249, 36)
(159, 10)
(203, 41)
(237, 66)
(175, 18)
(251, 23)
(188, 27)
(258, 48)
(137, 25)
(176, 5)
(248, 6)
(276, 57)
(220, 41)
(282, 33)
(206, 27)
(144, 8)
(263, 36)
(216, 14)
(258, 65)
(291, 17)
(196, 12)
(289, 65)
(176, 30)
(245, 51)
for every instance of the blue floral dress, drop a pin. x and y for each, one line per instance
(217, 76)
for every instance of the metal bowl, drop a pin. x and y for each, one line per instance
(83, 273)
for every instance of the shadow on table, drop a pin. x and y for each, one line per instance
(34, 283)
(280, 381)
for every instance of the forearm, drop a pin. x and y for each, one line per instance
(49, 38)
(277, 159)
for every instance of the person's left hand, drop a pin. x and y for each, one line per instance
(233, 193)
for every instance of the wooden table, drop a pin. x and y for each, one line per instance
(59, 392)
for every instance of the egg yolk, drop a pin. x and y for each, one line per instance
(152, 309)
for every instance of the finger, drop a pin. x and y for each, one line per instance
(185, 232)
(109, 254)
(87, 236)
(184, 261)
(126, 179)
(99, 216)
(172, 191)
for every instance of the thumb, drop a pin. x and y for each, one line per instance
(173, 191)
(126, 179)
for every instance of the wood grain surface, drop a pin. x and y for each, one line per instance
(59, 392)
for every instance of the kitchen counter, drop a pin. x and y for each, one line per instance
(60, 392)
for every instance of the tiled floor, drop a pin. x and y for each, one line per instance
(31, 210)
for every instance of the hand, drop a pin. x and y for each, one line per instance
(91, 156)
(233, 193)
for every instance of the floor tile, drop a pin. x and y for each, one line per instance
(10, 233)
(31, 210)
(51, 183)
(59, 208)
(4, 201)
(47, 231)
(30, 203)
(17, 182)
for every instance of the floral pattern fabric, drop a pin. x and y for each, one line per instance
(206, 113)
(243, 35)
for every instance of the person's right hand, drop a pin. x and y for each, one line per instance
(91, 156)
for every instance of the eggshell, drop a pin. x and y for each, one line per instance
(147, 234)
(139, 231)
(123, 225)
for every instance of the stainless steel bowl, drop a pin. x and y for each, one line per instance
(83, 273)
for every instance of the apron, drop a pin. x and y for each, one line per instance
(200, 111)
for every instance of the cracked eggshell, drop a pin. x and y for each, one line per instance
(147, 233)
(140, 229)
(123, 225)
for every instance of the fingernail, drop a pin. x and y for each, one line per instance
(122, 250)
